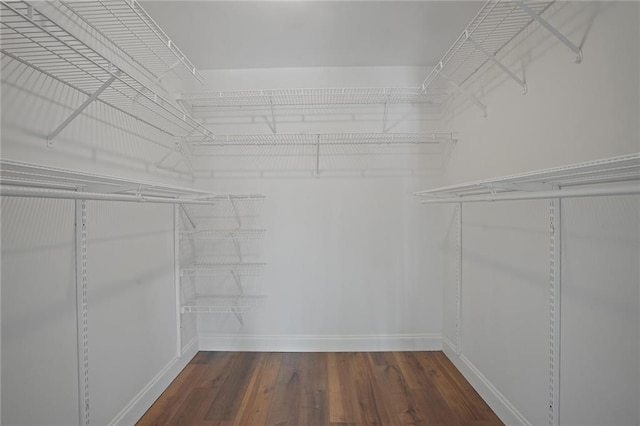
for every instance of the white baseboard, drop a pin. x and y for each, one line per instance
(492, 396)
(148, 395)
(312, 343)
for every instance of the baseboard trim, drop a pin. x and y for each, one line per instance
(314, 343)
(492, 396)
(132, 412)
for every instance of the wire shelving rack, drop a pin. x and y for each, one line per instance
(19, 179)
(30, 37)
(610, 176)
(308, 97)
(493, 28)
(128, 26)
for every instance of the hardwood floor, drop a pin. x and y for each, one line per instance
(307, 389)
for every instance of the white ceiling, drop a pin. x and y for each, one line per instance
(268, 34)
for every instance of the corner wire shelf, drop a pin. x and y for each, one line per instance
(495, 26)
(128, 26)
(611, 176)
(30, 37)
(18, 179)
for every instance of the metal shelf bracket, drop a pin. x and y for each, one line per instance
(456, 86)
(577, 50)
(493, 59)
(81, 108)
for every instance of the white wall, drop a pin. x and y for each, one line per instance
(353, 263)
(38, 313)
(132, 333)
(572, 113)
(132, 314)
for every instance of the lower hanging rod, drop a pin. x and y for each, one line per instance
(559, 193)
(29, 192)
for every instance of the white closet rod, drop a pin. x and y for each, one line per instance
(559, 193)
(12, 191)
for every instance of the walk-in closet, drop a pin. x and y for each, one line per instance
(320, 212)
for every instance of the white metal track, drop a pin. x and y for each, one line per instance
(459, 279)
(126, 24)
(555, 289)
(82, 310)
(32, 38)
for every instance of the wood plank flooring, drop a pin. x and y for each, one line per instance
(308, 389)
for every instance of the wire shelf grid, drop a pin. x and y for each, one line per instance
(290, 139)
(32, 38)
(497, 23)
(309, 97)
(128, 26)
(223, 304)
(619, 169)
(223, 269)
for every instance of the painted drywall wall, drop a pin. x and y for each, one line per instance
(132, 314)
(38, 313)
(131, 302)
(352, 262)
(572, 113)
(132, 333)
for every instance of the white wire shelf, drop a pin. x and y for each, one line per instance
(128, 26)
(239, 234)
(223, 304)
(223, 269)
(20, 179)
(309, 97)
(30, 37)
(611, 176)
(313, 139)
(497, 23)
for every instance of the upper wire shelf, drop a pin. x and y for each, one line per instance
(497, 23)
(31, 180)
(129, 27)
(30, 37)
(292, 139)
(548, 183)
(310, 97)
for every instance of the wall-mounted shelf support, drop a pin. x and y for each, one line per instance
(318, 156)
(384, 117)
(187, 216)
(238, 281)
(459, 88)
(236, 214)
(495, 60)
(238, 316)
(273, 116)
(577, 50)
(81, 108)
